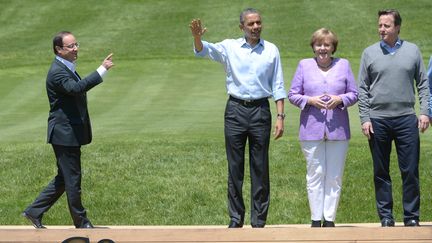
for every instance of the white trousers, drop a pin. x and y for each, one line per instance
(325, 165)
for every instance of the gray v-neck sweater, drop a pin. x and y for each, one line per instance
(386, 80)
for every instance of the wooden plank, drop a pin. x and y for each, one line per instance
(213, 234)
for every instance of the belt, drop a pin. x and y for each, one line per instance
(248, 102)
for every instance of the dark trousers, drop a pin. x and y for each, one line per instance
(404, 131)
(248, 123)
(68, 179)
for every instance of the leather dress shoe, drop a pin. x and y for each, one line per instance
(387, 222)
(412, 223)
(37, 223)
(87, 225)
(234, 224)
(328, 224)
(316, 223)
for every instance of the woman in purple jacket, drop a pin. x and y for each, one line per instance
(323, 88)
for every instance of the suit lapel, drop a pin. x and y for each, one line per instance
(75, 75)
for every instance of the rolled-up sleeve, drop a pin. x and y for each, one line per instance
(279, 91)
(215, 51)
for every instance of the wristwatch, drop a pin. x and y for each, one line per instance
(281, 116)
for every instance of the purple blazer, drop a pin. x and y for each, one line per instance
(317, 124)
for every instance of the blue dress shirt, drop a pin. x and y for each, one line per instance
(391, 50)
(72, 66)
(68, 64)
(251, 72)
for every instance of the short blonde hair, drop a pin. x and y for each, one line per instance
(322, 34)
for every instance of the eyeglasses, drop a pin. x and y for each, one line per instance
(71, 46)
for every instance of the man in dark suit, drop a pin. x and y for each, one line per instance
(68, 129)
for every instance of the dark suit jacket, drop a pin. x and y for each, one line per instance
(68, 121)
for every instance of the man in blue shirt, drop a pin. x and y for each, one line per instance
(253, 74)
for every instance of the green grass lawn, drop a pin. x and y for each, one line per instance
(158, 156)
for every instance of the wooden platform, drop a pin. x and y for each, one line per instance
(371, 233)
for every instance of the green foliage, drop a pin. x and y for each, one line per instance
(158, 154)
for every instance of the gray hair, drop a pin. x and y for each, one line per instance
(246, 12)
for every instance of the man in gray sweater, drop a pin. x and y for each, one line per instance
(387, 72)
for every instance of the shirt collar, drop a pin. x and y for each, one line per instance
(244, 43)
(70, 65)
(396, 46)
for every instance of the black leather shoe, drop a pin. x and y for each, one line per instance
(316, 223)
(234, 224)
(328, 224)
(258, 226)
(87, 225)
(412, 223)
(387, 222)
(37, 223)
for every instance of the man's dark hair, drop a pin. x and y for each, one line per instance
(58, 39)
(246, 12)
(394, 13)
